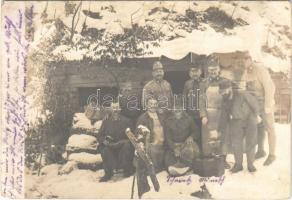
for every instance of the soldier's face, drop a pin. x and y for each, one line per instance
(213, 71)
(248, 63)
(158, 74)
(178, 113)
(226, 93)
(195, 73)
(126, 89)
(115, 110)
(152, 105)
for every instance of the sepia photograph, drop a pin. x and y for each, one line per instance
(145, 99)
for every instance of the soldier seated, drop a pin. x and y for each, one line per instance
(152, 120)
(115, 148)
(181, 136)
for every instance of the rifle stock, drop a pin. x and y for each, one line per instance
(146, 159)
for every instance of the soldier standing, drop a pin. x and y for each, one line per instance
(210, 109)
(192, 92)
(159, 89)
(260, 83)
(240, 111)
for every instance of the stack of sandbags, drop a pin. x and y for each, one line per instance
(81, 149)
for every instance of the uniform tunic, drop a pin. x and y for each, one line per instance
(259, 82)
(177, 131)
(161, 91)
(157, 139)
(210, 107)
(119, 155)
(240, 113)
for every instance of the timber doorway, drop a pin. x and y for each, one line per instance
(177, 80)
(98, 93)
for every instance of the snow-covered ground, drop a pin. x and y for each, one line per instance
(272, 182)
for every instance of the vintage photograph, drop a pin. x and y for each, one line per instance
(146, 99)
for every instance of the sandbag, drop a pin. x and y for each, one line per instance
(81, 142)
(85, 158)
(80, 121)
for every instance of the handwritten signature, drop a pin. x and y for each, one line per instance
(219, 180)
(172, 180)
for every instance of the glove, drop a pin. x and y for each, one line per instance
(259, 119)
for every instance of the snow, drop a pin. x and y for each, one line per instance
(272, 182)
(264, 19)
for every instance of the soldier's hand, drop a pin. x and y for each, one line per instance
(213, 135)
(176, 153)
(136, 153)
(189, 140)
(204, 120)
(259, 119)
(106, 143)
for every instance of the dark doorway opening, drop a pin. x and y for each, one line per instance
(102, 93)
(177, 80)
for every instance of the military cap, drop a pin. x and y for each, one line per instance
(213, 61)
(157, 65)
(246, 54)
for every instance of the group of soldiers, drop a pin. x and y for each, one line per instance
(176, 125)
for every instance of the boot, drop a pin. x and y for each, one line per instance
(236, 168)
(128, 173)
(260, 154)
(251, 168)
(270, 160)
(106, 177)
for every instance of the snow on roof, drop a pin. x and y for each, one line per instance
(264, 19)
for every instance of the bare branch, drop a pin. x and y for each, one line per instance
(73, 21)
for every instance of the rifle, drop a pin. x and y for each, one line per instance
(145, 157)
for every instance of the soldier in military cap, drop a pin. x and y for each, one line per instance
(191, 93)
(259, 82)
(239, 111)
(159, 89)
(210, 106)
